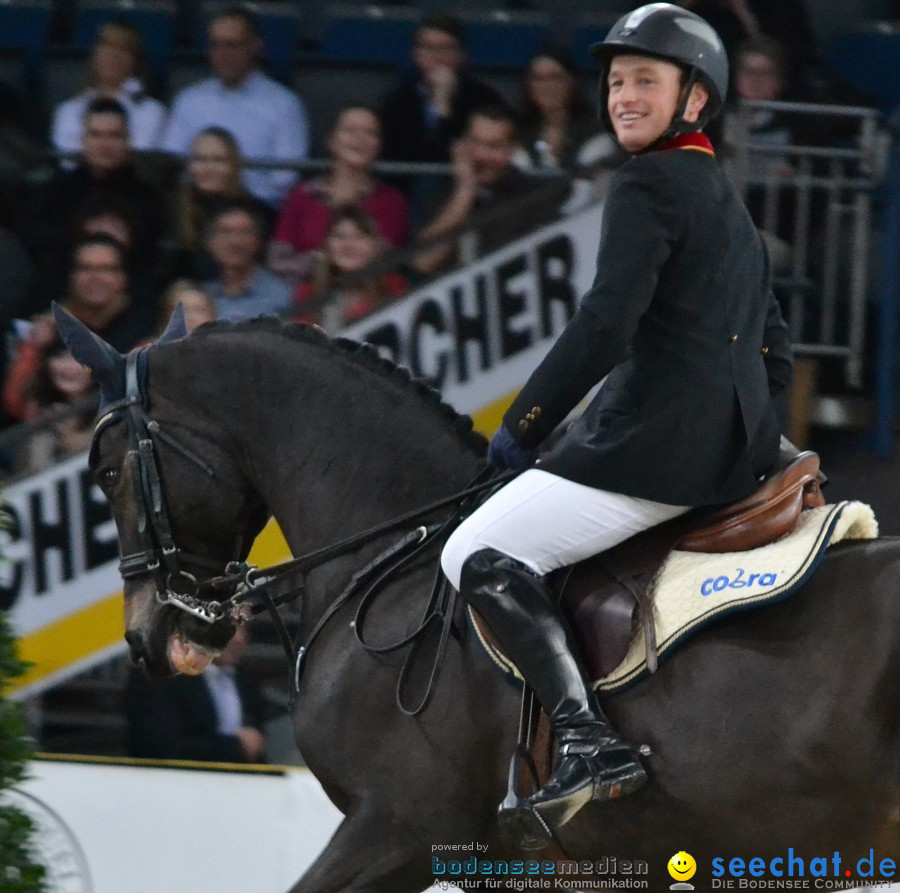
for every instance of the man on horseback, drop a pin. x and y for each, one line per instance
(682, 322)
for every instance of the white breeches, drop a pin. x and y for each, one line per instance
(547, 522)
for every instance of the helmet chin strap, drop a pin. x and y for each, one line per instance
(679, 125)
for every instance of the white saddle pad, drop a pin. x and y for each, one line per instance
(694, 588)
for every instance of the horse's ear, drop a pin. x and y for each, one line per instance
(106, 364)
(177, 327)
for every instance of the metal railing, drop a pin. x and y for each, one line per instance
(814, 203)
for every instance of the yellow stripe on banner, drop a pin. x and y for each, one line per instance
(70, 639)
(487, 419)
(270, 546)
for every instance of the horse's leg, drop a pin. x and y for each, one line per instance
(369, 853)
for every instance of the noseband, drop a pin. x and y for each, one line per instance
(159, 556)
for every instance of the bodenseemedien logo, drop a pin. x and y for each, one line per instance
(682, 867)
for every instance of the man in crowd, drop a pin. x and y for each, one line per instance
(104, 174)
(268, 121)
(214, 717)
(485, 181)
(98, 295)
(427, 112)
(243, 288)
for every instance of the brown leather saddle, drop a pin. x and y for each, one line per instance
(602, 595)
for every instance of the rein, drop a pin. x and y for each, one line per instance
(162, 558)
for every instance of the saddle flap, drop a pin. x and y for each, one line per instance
(602, 618)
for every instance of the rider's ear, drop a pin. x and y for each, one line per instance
(106, 364)
(177, 327)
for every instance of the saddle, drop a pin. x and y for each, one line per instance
(601, 595)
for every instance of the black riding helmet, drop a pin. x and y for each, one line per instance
(665, 31)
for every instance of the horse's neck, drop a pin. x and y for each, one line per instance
(340, 448)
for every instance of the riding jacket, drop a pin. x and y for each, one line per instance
(682, 321)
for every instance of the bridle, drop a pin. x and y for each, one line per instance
(160, 557)
(158, 554)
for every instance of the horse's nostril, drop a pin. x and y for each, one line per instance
(136, 646)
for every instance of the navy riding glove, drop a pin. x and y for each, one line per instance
(504, 452)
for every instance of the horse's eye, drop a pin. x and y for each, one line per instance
(110, 477)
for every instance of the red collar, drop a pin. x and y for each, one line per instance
(698, 141)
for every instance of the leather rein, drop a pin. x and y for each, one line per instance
(251, 585)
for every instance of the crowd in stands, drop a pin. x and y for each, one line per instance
(154, 202)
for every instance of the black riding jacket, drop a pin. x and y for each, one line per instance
(682, 320)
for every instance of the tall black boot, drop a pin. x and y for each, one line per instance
(594, 762)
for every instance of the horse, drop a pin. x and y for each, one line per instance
(770, 734)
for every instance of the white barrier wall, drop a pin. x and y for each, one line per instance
(171, 830)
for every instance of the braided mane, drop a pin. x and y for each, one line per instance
(362, 354)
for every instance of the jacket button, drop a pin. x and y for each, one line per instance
(733, 338)
(523, 425)
(536, 411)
(764, 350)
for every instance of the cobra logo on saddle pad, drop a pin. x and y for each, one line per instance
(695, 588)
(740, 580)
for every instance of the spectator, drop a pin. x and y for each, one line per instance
(116, 72)
(198, 306)
(785, 21)
(243, 288)
(109, 214)
(268, 121)
(424, 114)
(217, 716)
(104, 173)
(345, 289)
(99, 296)
(485, 179)
(559, 128)
(354, 144)
(761, 75)
(60, 383)
(214, 171)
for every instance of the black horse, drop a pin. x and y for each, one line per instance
(778, 730)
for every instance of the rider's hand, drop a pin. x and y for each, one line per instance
(504, 452)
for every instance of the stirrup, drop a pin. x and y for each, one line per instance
(520, 822)
(602, 784)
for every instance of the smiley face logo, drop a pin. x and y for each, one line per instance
(682, 866)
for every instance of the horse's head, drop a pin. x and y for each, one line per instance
(184, 510)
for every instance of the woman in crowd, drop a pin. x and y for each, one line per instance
(344, 289)
(197, 304)
(558, 127)
(354, 144)
(214, 177)
(60, 383)
(117, 72)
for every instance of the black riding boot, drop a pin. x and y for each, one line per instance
(594, 762)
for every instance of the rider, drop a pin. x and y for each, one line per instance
(682, 320)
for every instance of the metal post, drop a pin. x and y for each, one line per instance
(885, 396)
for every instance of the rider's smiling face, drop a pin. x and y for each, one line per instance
(644, 94)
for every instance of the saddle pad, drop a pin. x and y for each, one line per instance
(692, 588)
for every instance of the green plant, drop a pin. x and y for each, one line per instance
(18, 872)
